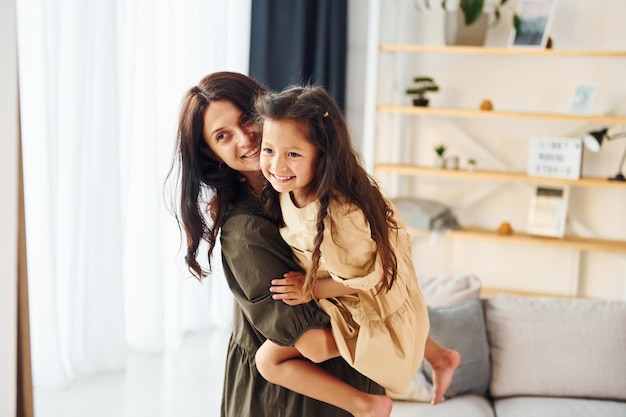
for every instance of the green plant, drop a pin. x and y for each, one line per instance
(423, 85)
(440, 150)
(472, 9)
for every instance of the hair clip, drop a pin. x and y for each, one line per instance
(325, 115)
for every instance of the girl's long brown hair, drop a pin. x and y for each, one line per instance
(338, 175)
(203, 185)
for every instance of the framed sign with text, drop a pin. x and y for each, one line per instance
(555, 157)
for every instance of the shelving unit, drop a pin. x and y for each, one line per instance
(497, 114)
(481, 50)
(376, 108)
(503, 176)
(570, 242)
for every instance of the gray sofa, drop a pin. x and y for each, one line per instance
(524, 356)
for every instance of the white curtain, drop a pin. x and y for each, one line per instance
(100, 87)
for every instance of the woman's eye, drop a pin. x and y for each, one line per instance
(293, 154)
(221, 136)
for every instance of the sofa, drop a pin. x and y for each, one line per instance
(522, 356)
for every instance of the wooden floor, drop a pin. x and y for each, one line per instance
(185, 384)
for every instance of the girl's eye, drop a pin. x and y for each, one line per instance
(267, 151)
(293, 154)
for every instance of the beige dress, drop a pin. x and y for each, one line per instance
(381, 335)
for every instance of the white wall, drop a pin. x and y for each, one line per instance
(512, 83)
(8, 208)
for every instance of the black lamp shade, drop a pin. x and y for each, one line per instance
(594, 139)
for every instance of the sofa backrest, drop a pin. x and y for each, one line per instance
(556, 347)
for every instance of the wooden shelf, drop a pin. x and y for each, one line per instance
(487, 292)
(498, 114)
(504, 176)
(569, 241)
(480, 50)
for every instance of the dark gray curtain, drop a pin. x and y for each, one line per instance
(300, 42)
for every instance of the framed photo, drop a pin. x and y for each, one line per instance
(584, 98)
(555, 157)
(534, 20)
(548, 211)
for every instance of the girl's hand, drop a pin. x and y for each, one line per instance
(289, 289)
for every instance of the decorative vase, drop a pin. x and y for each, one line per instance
(458, 33)
(420, 102)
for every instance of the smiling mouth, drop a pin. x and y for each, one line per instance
(280, 178)
(252, 154)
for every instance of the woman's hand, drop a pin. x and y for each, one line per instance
(289, 289)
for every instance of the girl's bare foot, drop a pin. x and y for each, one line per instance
(374, 406)
(443, 373)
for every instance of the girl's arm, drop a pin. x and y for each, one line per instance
(328, 288)
(289, 289)
(350, 254)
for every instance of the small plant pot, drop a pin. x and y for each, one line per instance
(420, 102)
(452, 162)
(439, 162)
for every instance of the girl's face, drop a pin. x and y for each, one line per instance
(233, 138)
(288, 160)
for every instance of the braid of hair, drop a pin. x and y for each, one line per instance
(389, 259)
(311, 276)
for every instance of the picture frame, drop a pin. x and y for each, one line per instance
(584, 99)
(548, 211)
(534, 18)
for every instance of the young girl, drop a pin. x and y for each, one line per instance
(354, 247)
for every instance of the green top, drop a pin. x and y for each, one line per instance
(253, 253)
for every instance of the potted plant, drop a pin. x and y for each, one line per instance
(467, 21)
(472, 9)
(440, 150)
(423, 84)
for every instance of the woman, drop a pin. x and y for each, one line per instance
(218, 163)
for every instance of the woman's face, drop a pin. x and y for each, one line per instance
(232, 137)
(288, 160)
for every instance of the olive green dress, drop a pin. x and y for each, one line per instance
(253, 253)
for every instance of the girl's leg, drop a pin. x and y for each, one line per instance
(317, 345)
(443, 362)
(285, 366)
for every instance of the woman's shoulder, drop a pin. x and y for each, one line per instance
(246, 214)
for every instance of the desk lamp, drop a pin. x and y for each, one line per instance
(594, 139)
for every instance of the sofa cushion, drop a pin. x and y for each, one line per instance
(558, 407)
(462, 328)
(445, 291)
(557, 347)
(466, 406)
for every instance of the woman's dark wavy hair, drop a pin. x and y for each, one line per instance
(338, 175)
(202, 184)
